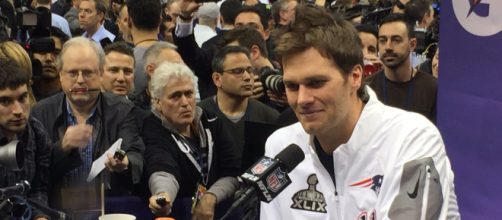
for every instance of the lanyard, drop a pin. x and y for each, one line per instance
(185, 148)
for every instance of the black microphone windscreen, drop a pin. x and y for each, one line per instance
(105, 42)
(291, 156)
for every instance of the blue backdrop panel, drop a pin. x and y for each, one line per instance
(470, 102)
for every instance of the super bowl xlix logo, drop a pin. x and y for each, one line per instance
(479, 17)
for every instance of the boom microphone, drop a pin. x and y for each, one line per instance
(269, 176)
(84, 90)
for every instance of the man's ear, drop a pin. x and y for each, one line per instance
(149, 70)
(255, 52)
(356, 77)
(129, 23)
(413, 43)
(267, 33)
(217, 79)
(156, 105)
(101, 17)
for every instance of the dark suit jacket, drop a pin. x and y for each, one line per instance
(199, 60)
(115, 118)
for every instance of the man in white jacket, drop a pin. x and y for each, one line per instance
(363, 160)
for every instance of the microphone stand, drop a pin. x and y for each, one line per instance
(249, 206)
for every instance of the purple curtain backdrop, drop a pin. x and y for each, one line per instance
(470, 102)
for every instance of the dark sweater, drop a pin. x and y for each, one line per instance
(416, 95)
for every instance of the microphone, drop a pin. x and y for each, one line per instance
(84, 90)
(20, 188)
(268, 176)
(105, 42)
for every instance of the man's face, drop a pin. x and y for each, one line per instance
(118, 76)
(122, 23)
(252, 20)
(435, 64)
(116, 7)
(235, 81)
(177, 104)
(173, 10)
(288, 14)
(14, 109)
(168, 31)
(48, 60)
(89, 18)
(321, 97)
(394, 44)
(428, 17)
(80, 75)
(369, 41)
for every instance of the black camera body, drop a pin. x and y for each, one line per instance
(272, 80)
(35, 23)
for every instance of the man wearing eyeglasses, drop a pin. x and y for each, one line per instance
(84, 123)
(234, 77)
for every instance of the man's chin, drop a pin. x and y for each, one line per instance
(50, 75)
(309, 127)
(120, 92)
(81, 99)
(16, 129)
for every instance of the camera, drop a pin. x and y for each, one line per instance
(34, 23)
(272, 80)
(376, 16)
(119, 154)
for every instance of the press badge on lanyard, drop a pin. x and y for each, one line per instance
(199, 192)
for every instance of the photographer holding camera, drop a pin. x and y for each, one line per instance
(16, 125)
(43, 51)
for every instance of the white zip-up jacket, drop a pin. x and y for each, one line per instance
(394, 166)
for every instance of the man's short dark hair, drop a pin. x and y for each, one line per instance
(368, 28)
(56, 32)
(219, 58)
(261, 13)
(397, 17)
(246, 37)
(12, 76)
(229, 10)
(416, 9)
(144, 14)
(119, 47)
(333, 37)
(100, 6)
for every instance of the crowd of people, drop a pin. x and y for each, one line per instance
(195, 93)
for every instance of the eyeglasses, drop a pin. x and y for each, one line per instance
(240, 70)
(86, 74)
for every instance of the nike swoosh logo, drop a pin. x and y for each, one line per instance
(212, 119)
(413, 195)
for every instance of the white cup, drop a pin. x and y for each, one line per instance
(117, 217)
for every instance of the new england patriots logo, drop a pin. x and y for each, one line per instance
(374, 183)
